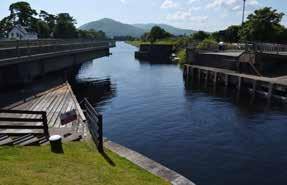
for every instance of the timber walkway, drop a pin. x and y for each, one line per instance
(31, 121)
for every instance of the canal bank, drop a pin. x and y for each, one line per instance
(206, 135)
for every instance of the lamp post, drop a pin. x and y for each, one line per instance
(243, 13)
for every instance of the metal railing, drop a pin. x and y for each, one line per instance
(95, 123)
(12, 49)
(9, 120)
(266, 47)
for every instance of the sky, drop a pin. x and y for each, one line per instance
(208, 15)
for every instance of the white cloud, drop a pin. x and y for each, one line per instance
(123, 1)
(192, 1)
(186, 15)
(231, 4)
(168, 4)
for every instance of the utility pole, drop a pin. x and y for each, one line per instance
(243, 13)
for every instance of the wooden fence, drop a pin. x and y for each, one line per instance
(95, 123)
(14, 119)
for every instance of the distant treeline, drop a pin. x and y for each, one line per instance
(264, 25)
(44, 24)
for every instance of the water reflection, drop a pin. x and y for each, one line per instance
(246, 102)
(98, 91)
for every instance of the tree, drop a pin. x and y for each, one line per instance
(158, 33)
(65, 26)
(200, 35)
(49, 19)
(43, 29)
(262, 25)
(22, 13)
(231, 34)
(5, 26)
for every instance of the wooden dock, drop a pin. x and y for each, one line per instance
(265, 86)
(53, 103)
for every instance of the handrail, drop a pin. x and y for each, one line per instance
(28, 48)
(95, 123)
(14, 119)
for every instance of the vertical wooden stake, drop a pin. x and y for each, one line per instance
(226, 80)
(239, 83)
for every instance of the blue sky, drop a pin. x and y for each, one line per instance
(209, 15)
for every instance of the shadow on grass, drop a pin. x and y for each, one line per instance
(107, 158)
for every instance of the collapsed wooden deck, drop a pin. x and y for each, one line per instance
(54, 102)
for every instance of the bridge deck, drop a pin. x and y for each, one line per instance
(55, 102)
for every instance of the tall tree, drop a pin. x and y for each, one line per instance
(200, 35)
(158, 33)
(65, 26)
(262, 25)
(22, 13)
(50, 19)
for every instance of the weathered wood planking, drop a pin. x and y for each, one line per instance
(55, 102)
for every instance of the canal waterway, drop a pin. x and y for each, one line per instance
(212, 136)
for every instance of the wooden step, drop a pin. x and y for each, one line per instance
(7, 141)
(21, 132)
(30, 142)
(19, 140)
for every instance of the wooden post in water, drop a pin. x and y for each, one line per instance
(226, 80)
(270, 91)
(215, 78)
(199, 75)
(254, 84)
(239, 83)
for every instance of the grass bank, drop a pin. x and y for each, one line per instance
(80, 164)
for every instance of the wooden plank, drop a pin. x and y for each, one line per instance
(56, 111)
(7, 141)
(77, 104)
(51, 110)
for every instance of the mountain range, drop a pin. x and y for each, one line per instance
(115, 28)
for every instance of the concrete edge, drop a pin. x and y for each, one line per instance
(144, 162)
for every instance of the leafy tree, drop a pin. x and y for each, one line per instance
(262, 25)
(231, 34)
(65, 26)
(92, 34)
(5, 26)
(158, 33)
(43, 29)
(49, 19)
(200, 35)
(22, 13)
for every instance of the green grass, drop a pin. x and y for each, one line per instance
(79, 165)
(168, 41)
(181, 54)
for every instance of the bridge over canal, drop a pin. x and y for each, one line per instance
(23, 61)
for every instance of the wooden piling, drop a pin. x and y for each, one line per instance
(215, 78)
(239, 83)
(226, 80)
(270, 90)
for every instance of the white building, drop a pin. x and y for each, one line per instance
(21, 33)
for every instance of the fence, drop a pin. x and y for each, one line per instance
(10, 119)
(95, 123)
(11, 49)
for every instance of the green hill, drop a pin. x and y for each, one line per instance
(168, 28)
(115, 28)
